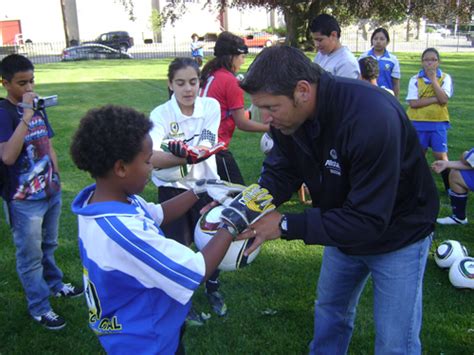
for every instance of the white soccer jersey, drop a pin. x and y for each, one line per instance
(446, 85)
(199, 129)
(138, 283)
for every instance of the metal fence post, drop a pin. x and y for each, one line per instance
(174, 45)
(393, 41)
(357, 40)
(457, 46)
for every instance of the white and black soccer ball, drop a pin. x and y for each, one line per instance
(205, 230)
(448, 252)
(461, 273)
(172, 174)
(266, 143)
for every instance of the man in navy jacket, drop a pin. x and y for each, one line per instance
(374, 199)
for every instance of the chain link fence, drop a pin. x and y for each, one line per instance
(53, 52)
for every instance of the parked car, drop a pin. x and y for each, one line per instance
(93, 51)
(260, 39)
(436, 28)
(119, 40)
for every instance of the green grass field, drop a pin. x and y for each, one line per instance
(271, 302)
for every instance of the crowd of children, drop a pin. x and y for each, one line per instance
(148, 266)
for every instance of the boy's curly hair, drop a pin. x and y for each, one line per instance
(107, 134)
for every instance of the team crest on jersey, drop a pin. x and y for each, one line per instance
(332, 164)
(387, 66)
(174, 128)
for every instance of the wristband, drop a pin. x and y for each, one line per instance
(233, 232)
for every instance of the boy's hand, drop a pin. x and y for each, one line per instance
(439, 165)
(219, 190)
(28, 111)
(250, 205)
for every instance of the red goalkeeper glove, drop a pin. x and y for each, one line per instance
(193, 155)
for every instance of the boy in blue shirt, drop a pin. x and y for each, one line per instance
(138, 283)
(32, 191)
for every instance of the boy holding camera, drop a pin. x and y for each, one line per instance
(32, 190)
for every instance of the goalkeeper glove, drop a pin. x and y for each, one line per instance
(247, 207)
(193, 155)
(219, 190)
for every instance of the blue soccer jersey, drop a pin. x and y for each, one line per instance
(389, 68)
(138, 283)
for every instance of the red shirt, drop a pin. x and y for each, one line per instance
(223, 86)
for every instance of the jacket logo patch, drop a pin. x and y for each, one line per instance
(333, 166)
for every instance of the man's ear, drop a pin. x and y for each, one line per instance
(120, 168)
(5, 83)
(303, 91)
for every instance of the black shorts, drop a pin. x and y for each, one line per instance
(227, 168)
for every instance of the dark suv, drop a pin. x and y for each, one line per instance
(119, 40)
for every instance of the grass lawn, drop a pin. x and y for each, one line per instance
(271, 302)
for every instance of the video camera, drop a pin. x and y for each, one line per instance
(40, 103)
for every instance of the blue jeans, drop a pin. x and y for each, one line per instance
(397, 281)
(34, 225)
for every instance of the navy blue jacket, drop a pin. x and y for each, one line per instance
(359, 155)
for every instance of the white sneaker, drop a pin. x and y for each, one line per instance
(451, 220)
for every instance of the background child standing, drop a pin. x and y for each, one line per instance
(32, 191)
(428, 95)
(389, 67)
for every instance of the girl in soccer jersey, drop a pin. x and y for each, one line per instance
(195, 120)
(220, 82)
(389, 67)
(428, 95)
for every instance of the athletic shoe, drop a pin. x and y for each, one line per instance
(216, 300)
(70, 291)
(51, 320)
(451, 220)
(194, 319)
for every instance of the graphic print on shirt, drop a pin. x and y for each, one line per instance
(95, 309)
(36, 177)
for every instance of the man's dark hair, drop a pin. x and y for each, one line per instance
(369, 68)
(14, 63)
(325, 24)
(277, 70)
(108, 134)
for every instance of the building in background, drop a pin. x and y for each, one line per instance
(81, 20)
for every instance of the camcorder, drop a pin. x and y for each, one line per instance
(40, 103)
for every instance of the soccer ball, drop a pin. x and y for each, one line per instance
(461, 273)
(175, 173)
(266, 143)
(448, 252)
(205, 230)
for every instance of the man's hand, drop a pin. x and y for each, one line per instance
(247, 207)
(266, 228)
(219, 190)
(193, 155)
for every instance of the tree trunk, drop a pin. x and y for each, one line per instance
(291, 28)
(63, 11)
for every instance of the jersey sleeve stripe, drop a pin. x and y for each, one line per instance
(118, 232)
